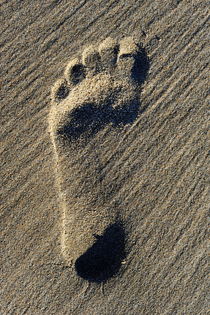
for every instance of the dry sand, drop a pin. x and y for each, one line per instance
(97, 97)
(154, 169)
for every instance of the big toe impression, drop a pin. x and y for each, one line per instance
(126, 57)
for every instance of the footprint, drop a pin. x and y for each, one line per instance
(98, 95)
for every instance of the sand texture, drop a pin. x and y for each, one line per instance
(127, 181)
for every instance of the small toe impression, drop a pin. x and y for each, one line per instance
(108, 50)
(91, 59)
(74, 72)
(59, 91)
(103, 260)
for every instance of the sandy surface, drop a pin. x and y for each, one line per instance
(156, 169)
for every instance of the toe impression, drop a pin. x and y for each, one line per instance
(126, 57)
(108, 50)
(59, 91)
(90, 59)
(74, 72)
(128, 48)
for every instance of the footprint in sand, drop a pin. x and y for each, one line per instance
(98, 94)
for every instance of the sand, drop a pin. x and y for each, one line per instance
(89, 107)
(152, 170)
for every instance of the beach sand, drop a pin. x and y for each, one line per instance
(152, 169)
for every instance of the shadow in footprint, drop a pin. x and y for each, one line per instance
(141, 66)
(88, 119)
(103, 259)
